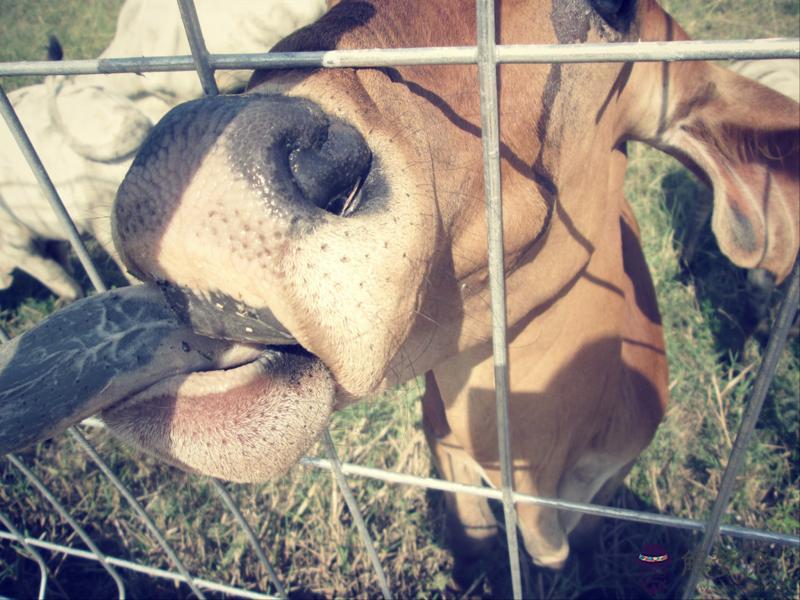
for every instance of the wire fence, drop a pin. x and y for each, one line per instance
(486, 55)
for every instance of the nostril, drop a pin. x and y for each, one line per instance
(329, 173)
(346, 204)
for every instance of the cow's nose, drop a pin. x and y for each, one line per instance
(291, 153)
(232, 171)
(290, 150)
(330, 171)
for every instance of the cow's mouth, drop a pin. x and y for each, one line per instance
(252, 218)
(229, 408)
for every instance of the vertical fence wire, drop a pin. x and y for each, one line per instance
(251, 536)
(490, 135)
(194, 34)
(355, 512)
(51, 194)
(766, 371)
(31, 550)
(101, 557)
(48, 189)
(138, 508)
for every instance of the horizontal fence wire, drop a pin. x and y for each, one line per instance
(17, 536)
(622, 514)
(212, 586)
(446, 55)
(205, 64)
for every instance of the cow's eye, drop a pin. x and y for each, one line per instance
(617, 13)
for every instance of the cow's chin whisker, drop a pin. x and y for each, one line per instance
(245, 424)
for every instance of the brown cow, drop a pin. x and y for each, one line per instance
(343, 210)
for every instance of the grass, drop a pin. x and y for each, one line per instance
(301, 519)
(83, 28)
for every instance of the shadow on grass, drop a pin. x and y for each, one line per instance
(611, 569)
(73, 577)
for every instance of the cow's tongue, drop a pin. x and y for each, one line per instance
(227, 409)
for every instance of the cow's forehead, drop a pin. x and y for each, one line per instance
(363, 24)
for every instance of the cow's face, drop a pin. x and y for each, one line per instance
(349, 203)
(343, 209)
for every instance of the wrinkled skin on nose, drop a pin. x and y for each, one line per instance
(286, 153)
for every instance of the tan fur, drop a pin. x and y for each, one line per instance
(385, 296)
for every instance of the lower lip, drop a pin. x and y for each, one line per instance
(246, 424)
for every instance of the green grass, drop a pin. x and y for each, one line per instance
(84, 29)
(301, 519)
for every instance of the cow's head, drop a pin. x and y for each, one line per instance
(327, 227)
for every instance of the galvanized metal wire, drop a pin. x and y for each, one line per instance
(490, 137)
(138, 509)
(355, 512)
(212, 586)
(230, 503)
(206, 74)
(766, 371)
(49, 190)
(34, 554)
(98, 554)
(487, 56)
(444, 55)
(622, 514)
(198, 46)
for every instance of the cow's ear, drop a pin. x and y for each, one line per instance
(745, 140)
(741, 138)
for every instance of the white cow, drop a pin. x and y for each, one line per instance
(87, 128)
(780, 74)
(86, 137)
(154, 28)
